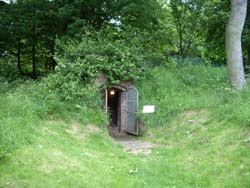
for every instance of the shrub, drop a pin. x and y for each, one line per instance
(8, 70)
(117, 54)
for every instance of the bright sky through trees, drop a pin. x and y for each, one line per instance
(6, 1)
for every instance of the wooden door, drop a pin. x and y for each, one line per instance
(131, 110)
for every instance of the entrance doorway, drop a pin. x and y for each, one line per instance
(114, 108)
(121, 106)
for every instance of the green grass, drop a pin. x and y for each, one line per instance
(201, 125)
(194, 153)
(179, 88)
(213, 153)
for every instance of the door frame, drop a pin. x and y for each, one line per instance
(120, 116)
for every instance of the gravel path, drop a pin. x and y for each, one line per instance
(137, 147)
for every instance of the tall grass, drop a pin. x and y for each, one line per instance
(183, 87)
(172, 89)
(210, 151)
(23, 104)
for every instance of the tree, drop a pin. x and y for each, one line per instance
(187, 20)
(217, 14)
(11, 32)
(233, 43)
(29, 28)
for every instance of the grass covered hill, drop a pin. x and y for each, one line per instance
(201, 129)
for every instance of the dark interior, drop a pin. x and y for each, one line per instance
(113, 106)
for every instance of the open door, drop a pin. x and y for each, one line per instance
(131, 110)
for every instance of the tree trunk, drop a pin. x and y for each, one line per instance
(233, 43)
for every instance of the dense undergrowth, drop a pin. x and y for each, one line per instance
(172, 89)
(25, 104)
(203, 126)
(183, 87)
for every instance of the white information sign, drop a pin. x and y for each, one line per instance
(148, 109)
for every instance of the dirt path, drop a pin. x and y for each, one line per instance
(137, 147)
(130, 144)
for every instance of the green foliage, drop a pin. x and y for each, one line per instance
(234, 106)
(29, 40)
(187, 87)
(118, 55)
(217, 13)
(96, 54)
(71, 155)
(18, 116)
(187, 19)
(184, 28)
(24, 105)
(246, 38)
(143, 14)
(201, 124)
(8, 70)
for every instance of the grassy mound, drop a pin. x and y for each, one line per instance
(25, 105)
(201, 127)
(195, 153)
(183, 87)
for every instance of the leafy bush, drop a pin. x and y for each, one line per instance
(8, 69)
(99, 53)
(117, 54)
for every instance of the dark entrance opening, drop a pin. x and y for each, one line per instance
(114, 108)
(120, 104)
